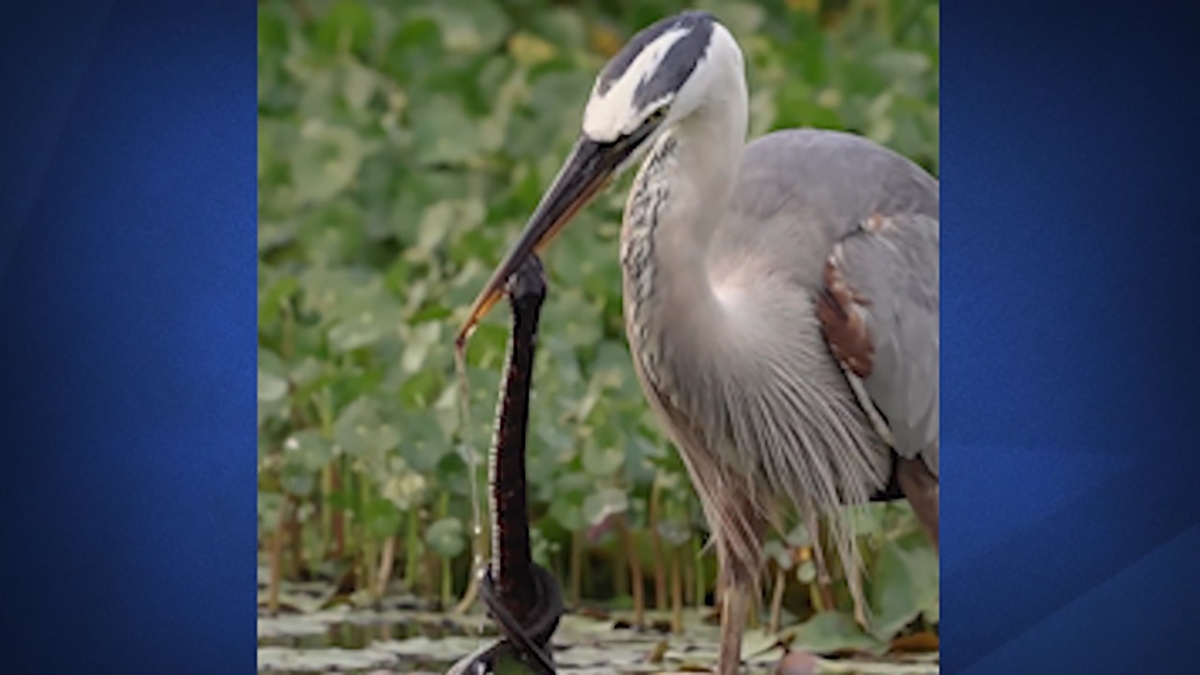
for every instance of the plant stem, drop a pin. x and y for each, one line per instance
(338, 516)
(816, 551)
(676, 594)
(287, 342)
(689, 579)
(635, 572)
(621, 562)
(447, 590)
(325, 510)
(412, 549)
(576, 567)
(277, 555)
(469, 595)
(366, 569)
(656, 547)
(386, 560)
(369, 548)
(332, 477)
(777, 600)
(296, 542)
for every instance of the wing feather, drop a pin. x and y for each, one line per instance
(883, 279)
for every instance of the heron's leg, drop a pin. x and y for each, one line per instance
(735, 603)
(738, 555)
(737, 521)
(854, 583)
(921, 488)
(738, 528)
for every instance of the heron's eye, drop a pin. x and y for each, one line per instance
(644, 129)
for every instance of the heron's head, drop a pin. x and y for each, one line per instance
(664, 73)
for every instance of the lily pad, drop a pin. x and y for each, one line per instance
(282, 659)
(834, 632)
(441, 649)
(291, 626)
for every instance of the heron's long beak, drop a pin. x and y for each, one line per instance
(587, 170)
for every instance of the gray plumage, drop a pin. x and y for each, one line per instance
(746, 383)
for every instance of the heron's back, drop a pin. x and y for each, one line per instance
(799, 191)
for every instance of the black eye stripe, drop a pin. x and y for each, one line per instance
(642, 132)
(657, 115)
(646, 128)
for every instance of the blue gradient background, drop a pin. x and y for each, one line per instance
(127, 337)
(1071, 197)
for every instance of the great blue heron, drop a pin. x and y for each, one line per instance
(781, 297)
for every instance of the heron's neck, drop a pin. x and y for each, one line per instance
(679, 198)
(708, 151)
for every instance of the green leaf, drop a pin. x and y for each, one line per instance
(530, 50)
(899, 64)
(359, 85)
(806, 573)
(447, 537)
(602, 461)
(276, 296)
(297, 481)
(423, 443)
(905, 584)
(469, 26)
(348, 24)
(405, 490)
(272, 29)
(774, 550)
(307, 372)
(418, 391)
(327, 160)
(600, 505)
(443, 132)
(271, 387)
(567, 513)
(833, 632)
(365, 328)
(382, 517)
(308, 449)
(359, 431)
(798, 536)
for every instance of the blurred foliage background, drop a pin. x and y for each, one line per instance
(401, 147)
